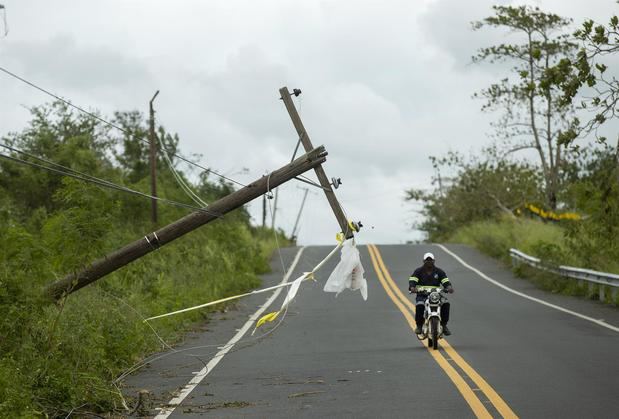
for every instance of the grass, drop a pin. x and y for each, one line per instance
(495, 238)
(536, 238)
(62, 358)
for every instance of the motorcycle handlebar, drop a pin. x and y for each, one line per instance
(441, 291)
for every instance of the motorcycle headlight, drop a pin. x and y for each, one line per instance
(434, 297)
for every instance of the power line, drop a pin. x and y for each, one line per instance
(92, 179)
(111, 124)
(195, 198)
(107, 184)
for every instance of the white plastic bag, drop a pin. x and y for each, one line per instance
(348, 273)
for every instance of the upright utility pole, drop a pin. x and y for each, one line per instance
(296, 223)
(153, 161)
(274, 209)
(264, 211)
(153, 241)
(322, 176)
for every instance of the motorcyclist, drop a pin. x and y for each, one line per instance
(423, 279)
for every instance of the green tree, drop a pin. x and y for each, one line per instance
(588, 81)
(58, 134)
(588, 72)
(133, 155)
(486, 188)
(594, 240)
(533, 116)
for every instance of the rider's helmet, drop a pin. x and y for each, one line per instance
(428, 256)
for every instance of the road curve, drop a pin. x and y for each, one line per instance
(342, 357)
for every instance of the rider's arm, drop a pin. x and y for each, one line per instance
(445, 281)
(413, 281)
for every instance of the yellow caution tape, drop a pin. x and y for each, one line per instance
(267, 318)
(550, 215)
(340, 237)
(353, 226)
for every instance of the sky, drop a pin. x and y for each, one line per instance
(385, 84)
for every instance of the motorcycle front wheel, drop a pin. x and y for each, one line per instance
(434, 332)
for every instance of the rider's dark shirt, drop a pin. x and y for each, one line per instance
(424, 280)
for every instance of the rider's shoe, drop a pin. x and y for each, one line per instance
(418, 330)
(446, 331)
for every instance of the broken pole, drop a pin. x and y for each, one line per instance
(152, 241)
(320, 173)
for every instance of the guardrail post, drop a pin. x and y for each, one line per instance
(590, 288)
(601, 292)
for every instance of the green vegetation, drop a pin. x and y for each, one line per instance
(60, 357)
(495, 238)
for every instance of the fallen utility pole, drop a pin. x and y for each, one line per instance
(322, 176)
(152, 241)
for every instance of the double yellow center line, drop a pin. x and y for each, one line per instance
(408, 310)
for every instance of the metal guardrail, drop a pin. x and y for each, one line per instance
(593, 277)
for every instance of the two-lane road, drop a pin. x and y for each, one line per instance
(343, 357)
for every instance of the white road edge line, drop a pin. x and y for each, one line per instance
(176, 401)
(528, 297)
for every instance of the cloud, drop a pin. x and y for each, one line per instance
(62, 62)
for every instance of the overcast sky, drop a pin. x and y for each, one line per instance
(385, 85)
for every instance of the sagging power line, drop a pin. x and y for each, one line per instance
(67, 171)
(111, 124)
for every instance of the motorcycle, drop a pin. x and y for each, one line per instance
(432, 328)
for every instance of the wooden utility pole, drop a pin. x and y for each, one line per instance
(264, 211)
(274, 209)
(153, 161)
(152, 241)
(322, 176)
(296, 223)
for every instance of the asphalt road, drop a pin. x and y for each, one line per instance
(344, 357)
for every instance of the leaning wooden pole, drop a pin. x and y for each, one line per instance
(152, 241)
(320, 173)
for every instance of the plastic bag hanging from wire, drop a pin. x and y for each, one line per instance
(348, 273)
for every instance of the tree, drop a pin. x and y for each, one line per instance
(594, 192)
(588, 82)
(534, 117)
(587, 75)
(58, 134)
(486, 188)
(134, 154)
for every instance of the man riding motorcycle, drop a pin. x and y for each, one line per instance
(424, 279)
